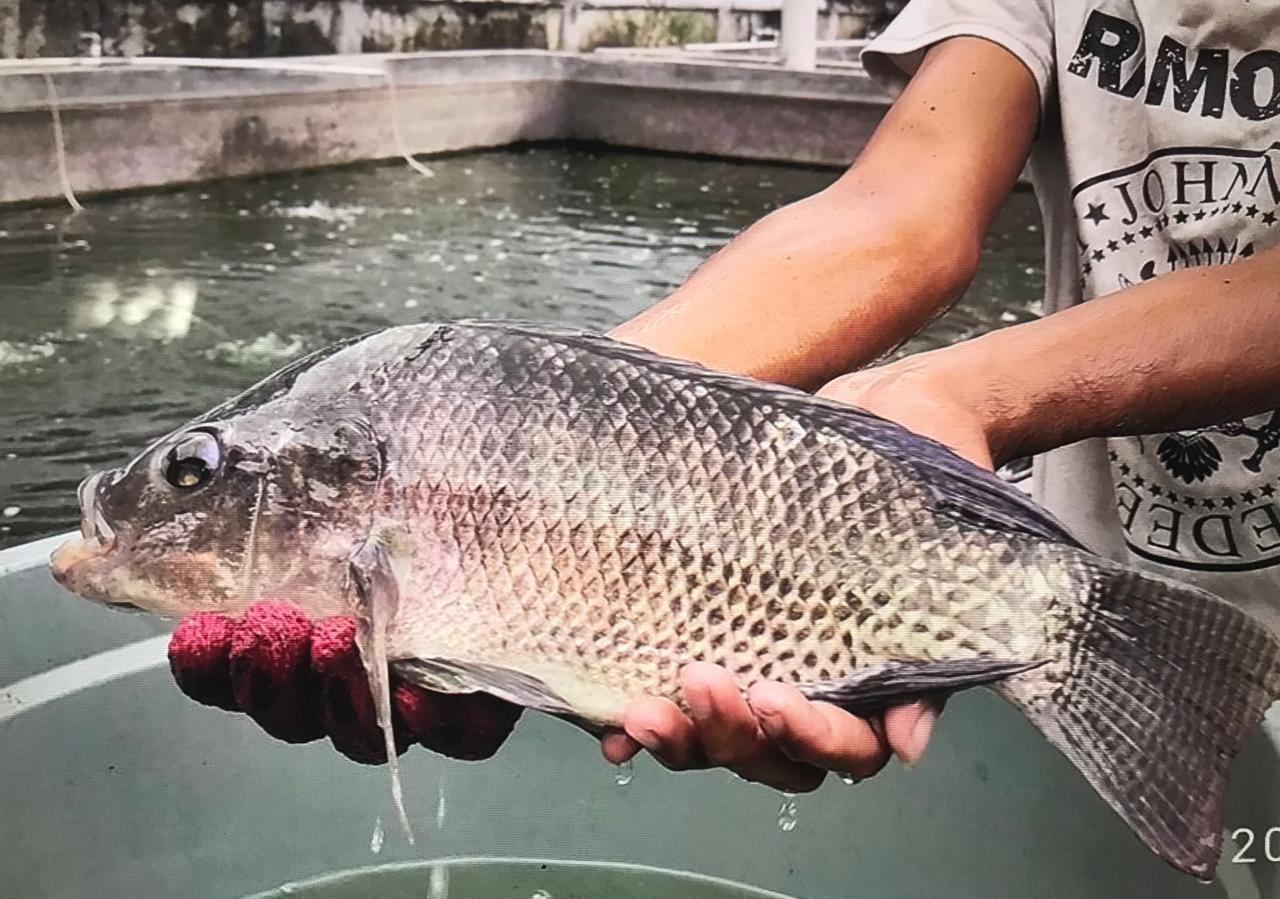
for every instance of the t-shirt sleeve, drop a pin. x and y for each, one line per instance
(1023, 27)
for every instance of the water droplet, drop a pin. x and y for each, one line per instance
(788, 814)
(624, 774)
(440, 806)
(410, 304)
(400, 237)
(378, 838)
(540, 894)
(848, 779)
(11, 511)
(268, 246)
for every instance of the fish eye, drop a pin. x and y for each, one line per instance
(193, 460)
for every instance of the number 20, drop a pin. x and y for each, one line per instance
(1270, 845)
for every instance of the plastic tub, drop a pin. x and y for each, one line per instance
(113, 785)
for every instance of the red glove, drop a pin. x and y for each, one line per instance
(301, 681)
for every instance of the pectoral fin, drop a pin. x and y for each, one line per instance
(872, 690)
(378, 570)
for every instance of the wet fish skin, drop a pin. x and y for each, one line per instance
(564, 521)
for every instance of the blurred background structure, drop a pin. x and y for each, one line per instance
(257, 28)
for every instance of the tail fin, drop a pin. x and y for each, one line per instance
(1156, 688)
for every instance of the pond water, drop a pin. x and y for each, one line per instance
(119, 323)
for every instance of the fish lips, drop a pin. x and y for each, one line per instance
(79, 564)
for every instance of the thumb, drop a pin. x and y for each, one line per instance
(851, 388)
(908, 728)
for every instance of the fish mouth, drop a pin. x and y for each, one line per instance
(78, 564)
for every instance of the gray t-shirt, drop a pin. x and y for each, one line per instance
(1157, 150)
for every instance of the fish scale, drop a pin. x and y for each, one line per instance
(788, 479)
(564, 521)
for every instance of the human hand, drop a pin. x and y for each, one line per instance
(773, 735)
(301, 681)
(925, 396)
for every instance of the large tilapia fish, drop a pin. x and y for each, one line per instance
(563, 521)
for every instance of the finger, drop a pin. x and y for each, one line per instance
(470, 726)
(660, 727)
(721, 717)
(200, 659)
(617, 747)
(908, 728)
(818, 733)
(270, 676)
(731, 737)
(342, 695)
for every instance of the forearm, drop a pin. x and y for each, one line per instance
(836, 280)
(823, 285)
(1191, 348)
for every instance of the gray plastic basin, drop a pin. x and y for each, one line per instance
(113, 784)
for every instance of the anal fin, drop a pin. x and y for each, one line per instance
(457, 676)
(872, 690)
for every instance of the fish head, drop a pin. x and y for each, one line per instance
(223, 513)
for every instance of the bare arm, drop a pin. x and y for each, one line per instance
(809, 292)
(835, 280)
(1187, 349)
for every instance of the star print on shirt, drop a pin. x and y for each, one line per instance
(1097, 213)
(1181, 218)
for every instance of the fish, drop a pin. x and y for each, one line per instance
(563, 520)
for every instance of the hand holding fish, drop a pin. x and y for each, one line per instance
(301, 681)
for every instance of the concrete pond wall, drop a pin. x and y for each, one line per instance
(249, 28)
(140, 125)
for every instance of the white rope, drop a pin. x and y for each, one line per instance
(393, 109)
(60, 145)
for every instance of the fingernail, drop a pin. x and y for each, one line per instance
(770, 721)
(911, 753)
(648, 739)
(699, 701)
